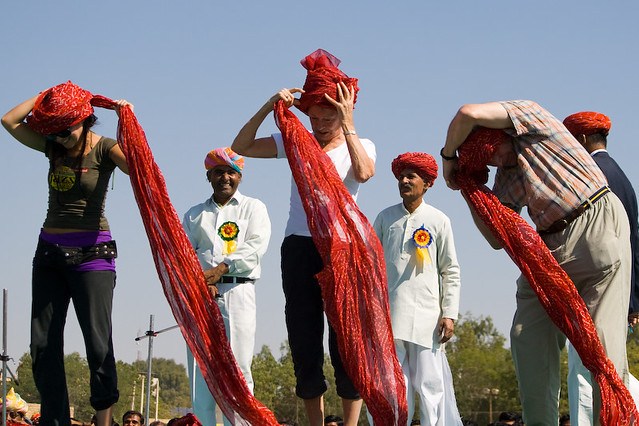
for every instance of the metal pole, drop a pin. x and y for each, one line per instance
(142, 394)
(4, 357)
(150, 333)
(133, 400)
(156, 381)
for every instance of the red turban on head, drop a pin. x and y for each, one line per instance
(59, 108)
(188, 420)
(322, 78)
(423, 164)
(587, 123)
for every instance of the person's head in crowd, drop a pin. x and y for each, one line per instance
(564, 420)
(332, 420)
(509, 417)
(157, 423)
(224, 173)
(590, 129)
(132, 418)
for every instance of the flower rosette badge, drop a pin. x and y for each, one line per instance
(422, 239)
(228, 231)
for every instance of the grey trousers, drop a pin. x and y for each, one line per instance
(595, 252)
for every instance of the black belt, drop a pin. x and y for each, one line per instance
(561, 224)
(48, 254)
(227, 279)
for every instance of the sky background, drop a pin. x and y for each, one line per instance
(196, 71)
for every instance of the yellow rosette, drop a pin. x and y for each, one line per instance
(228, 231)
(422, 239)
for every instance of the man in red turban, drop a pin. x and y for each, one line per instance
(328, 98)
(591, 131)
(542, 167)
(423, 287)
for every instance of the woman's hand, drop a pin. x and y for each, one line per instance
(344, 104)
(121, 103)
(287, 96)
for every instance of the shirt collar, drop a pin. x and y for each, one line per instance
(234, 201)
(597, 151)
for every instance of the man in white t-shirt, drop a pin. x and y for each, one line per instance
(330, 111)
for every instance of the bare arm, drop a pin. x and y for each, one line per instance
(118, 158)
(492, 115)
(363, 165)
(14, 122)
(245, 142)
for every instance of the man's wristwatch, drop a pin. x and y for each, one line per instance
(446, 157)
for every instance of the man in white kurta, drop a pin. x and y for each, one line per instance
(230, 233)
(423, 286)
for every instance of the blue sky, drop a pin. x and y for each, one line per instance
(196, 71)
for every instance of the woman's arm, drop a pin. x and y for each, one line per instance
(245, 142)
(118, 158)
(363, 165)
(14, 122)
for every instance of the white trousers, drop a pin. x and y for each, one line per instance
(580, 390)
(427, 374)
(237, 306)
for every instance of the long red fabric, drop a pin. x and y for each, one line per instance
(555, 291)
(183, 281)
(353, 281)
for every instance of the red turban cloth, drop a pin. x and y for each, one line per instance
(587, 123)
(188, 420)
(322, 78)
(423, 164)
(477, 150)
(62, 106)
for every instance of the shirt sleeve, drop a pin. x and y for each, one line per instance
(449, 271)
(279, 144)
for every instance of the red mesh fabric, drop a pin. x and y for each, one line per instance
(353, 281)
(423, 164)
(555, 290)
(321, 78)
(587, 123)
(188, 420)
(183, 280)
(59, 108)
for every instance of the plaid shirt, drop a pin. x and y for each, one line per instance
(554, 175)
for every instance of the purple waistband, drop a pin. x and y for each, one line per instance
(82, 239)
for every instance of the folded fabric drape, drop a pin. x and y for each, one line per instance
(183, 281)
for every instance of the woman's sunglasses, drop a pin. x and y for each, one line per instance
(61, 134)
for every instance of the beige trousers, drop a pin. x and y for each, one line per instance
(595, 252)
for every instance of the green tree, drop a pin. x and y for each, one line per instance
(482, 370)
(174, 386)
(275, 386)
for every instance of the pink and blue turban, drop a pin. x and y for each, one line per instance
(224, 157)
